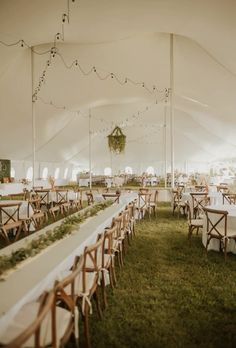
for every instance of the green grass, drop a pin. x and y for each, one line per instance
(169, 294)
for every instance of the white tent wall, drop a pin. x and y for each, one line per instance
(130, 39)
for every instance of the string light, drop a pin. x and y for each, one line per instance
(55, 51)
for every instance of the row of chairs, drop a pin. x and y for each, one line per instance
(35, 216)
(53, 318)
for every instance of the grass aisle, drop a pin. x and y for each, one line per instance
(169, 294)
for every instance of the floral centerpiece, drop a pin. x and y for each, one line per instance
(51, 181)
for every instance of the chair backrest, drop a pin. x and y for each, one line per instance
(144, 200)
(229, 197)
(199, 201)
(35, 334)
(223, 188)
(110, 235)
(61, 196)
(92, 262)
(43, 195)
(9, 212)
(215, 220)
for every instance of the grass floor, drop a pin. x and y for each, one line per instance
(169, 294)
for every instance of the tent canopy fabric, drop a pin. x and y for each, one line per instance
(121, 39)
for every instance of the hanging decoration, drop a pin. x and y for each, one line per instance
(117, 141)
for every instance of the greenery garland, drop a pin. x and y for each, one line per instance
(8, 262)
(117, 141)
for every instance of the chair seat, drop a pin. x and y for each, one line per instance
(26, 315)
(196, 222)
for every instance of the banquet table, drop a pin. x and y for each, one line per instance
(28, 281)
(231, 222)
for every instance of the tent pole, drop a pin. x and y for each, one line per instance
(172, 108)
(90, 160)
(33, 118)
(165, 148)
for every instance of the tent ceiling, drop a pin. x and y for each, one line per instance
(131, 39)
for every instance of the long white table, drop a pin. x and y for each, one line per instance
(29, 281)
(231, 223)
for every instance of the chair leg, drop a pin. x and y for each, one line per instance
(96, 297)
(86, 325)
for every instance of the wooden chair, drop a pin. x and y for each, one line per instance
(193, 224)
(66, 208)
(199, 201)
(10, 221)
(77, 203)
(153, 202)
(38, 218)
(229, 197)
(61, 196)
(177, 203)
(44, 197)
(217, 228)
(143, 204)
(90, 198)
(55, 212)
(120, 238)
(42, 323)
(108, 265)
(66, 293)
(87, 287)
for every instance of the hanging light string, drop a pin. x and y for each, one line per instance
(53, 51)
(122, 123)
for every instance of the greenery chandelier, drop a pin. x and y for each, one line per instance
(117, 141)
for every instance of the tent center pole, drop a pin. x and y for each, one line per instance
(90, 159)
(172, 108)
(33, 119)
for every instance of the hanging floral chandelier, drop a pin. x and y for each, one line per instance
(116, 141)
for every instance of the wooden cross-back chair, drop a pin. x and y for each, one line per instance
(10, 221)
(177, 203)
(44, 197)
(199, 201)
(77, 202)
(193, 224)
(143, 204)
(217, 228)
(110, 247)
(55, 212)
(61, 196)
(87, 287)
(153, 201)
(90, 198)
(229, 198)
(35, 216)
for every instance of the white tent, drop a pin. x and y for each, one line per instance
(113, 41)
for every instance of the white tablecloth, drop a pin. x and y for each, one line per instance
(83, 182)
(28, 282)
(231, 221)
